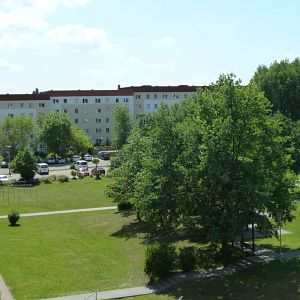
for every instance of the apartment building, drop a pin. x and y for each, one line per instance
(92, 110)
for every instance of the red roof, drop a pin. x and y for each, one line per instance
(83, 93)
(162, 89)
(24, 97)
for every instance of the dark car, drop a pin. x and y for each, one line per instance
(4, 164)
(104, 156)
(98, 169)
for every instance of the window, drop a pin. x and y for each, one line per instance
(185, 95)
(140, 106)
(85, 110)
(57, 110)
(76, 121)
(29, 104)
(148, 96)
(99, 110)
(65, 110)
(41, 104)
(53, 100)
(155, 105)
(148, 106)
(165, 96)
(76, 110)
(107, 129)
(10, 115)
(107, 120)
(125, 99)
(21, 104)
(97, 100)
(65, 100)
(84, 100)
(86, 130)
(76, 100)
(85, 120)
(117, 100)
(98, 120)
(155, 96)
(57, 101)
(98, 130)
(10, 105)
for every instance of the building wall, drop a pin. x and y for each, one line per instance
(92, 110)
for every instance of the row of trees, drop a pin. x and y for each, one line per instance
(218, 162)
(54, 129)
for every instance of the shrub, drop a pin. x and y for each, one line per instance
(62, 178)
(159, 260)
(124, 206)
(187, 259)
(52, 177)
(72, 166)
(24, 164)
(73, 174)
(80, 176)
(46, 180)
(13, 218)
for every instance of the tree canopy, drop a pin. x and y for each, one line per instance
(122, 126)
(219, 162)
(15, 134)
(281, 84)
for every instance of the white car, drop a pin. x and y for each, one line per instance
(42, 168)
(4, 178)
(75, 158)
(88, 157)
(50, 160)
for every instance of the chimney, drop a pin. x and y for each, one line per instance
(119, 86)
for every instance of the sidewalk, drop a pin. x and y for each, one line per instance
(57, 212)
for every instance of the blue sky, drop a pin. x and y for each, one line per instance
(95, 44)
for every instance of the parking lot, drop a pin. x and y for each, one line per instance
(58, 169)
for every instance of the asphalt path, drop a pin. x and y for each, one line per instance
(58, 170)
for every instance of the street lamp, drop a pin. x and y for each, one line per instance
(9, 147)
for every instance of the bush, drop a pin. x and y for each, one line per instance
(46, 180)
(187, 259)
(80, 176)
(24, 164)
(13, 218)
(62, 178)
(160, 260)
(72, 166)
(124, 206)
(73, 174)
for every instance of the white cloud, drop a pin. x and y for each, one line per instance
(291, 56)
(133, 60)
(9, 40)
(77, 35)
(20, 21)
(8, 66)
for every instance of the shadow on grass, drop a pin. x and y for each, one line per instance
(14, 225)
(276, 248)
(274, 280)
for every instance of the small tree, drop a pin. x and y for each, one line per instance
(24, 164)
(95, 161)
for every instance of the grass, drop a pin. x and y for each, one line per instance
(57, 255)
(275, 280)
(289, 241)
(83, 193)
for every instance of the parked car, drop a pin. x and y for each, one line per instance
(42, 168)
(104, 156)
(60, 160)
(75, 158)
(83, 171)
(98, 169)
(4, 178)
(88, 157)
(50, 160)
(81, 164)
(4, 164)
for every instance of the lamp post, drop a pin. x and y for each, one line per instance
(9, 147)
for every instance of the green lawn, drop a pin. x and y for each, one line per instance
(275, 280)
(289, 241)
(83, 193)
(56, 255)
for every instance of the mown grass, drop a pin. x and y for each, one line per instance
(80, 193)
(290, 241)
(275, 280)
(57, 255)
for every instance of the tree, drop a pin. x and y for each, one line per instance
(56, 132)
(15, 134)
(24, 164)
(80, 142)
(122, 126)
(243, 171)
(281, 84)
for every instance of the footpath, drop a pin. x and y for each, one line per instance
(261, 255)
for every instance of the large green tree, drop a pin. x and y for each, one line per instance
(15, 134)
(80, 143)
(122, 126)
(56, 132)
(281, 84)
